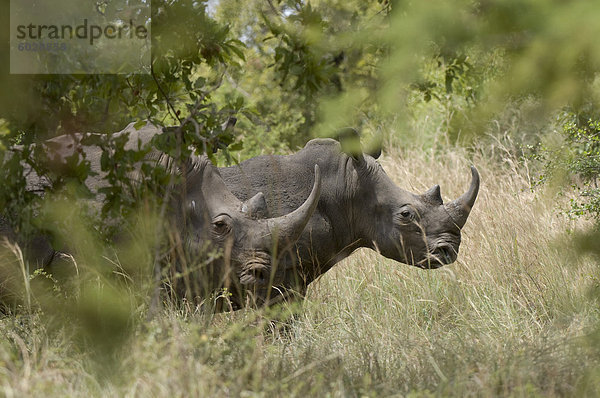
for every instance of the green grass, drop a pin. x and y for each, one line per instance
(510, 318)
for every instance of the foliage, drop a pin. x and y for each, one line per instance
(184, 38)
(294, 62)
(33, 108)
(508, 319)
(583, 140)
(575, 158)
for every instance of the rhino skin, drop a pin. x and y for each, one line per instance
(207, 216)
(360, 206)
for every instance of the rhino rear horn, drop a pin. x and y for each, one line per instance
(286, 230)
(460, 208)
(256, 206)
(434, 195)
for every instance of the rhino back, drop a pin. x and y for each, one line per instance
(37, 249)
(62, 147)
(286, 180)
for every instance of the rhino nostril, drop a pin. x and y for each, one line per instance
(255, 273)
(446, 254)
(260, 275)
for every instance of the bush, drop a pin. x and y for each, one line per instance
(576, 158)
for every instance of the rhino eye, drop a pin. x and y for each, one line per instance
(405, 215)
(221, 225)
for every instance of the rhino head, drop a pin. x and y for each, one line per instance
(212, 218)
(419, 230)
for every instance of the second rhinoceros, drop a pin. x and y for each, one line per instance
(360, 206)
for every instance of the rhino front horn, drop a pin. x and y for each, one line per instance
(460, 208)
(287, 229)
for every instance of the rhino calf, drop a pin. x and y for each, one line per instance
(360, 206)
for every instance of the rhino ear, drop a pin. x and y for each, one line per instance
(374, 147)
(375, 153)
(349, 139)
(256, 206)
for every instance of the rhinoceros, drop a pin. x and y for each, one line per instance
(360, 206)
(205, 214)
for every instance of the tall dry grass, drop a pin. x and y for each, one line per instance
(509, 318)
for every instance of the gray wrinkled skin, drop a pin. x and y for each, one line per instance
(208, 218)
(360, 206)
